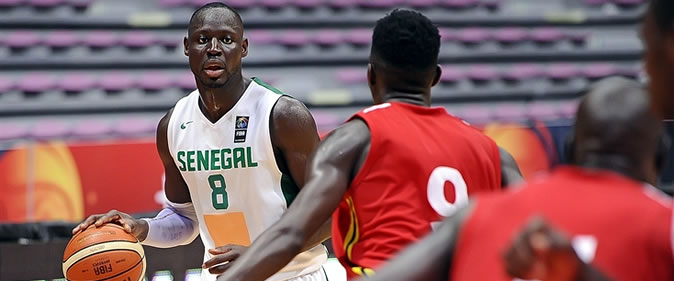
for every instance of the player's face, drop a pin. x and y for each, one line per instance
(215, 47)
(660, 67)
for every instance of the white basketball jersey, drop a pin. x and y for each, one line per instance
(236, 187)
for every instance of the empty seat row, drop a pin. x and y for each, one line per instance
(516, 72)
(289, 38)
(309, 4)
(78, 4)
(113, 81)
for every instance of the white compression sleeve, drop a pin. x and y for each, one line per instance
(175, 225)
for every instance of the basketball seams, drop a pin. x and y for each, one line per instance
(97, 243)
(142, 260)
(108, 246)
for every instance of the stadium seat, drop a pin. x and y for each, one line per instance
(380, 4)
(477, 114)
(186, 81)
(134, 126)
(22, 39)
(510, 35)
(275, 4)
(568, 109)
(173, 3)
(101, 39)
(79, 4)
(12, 132)
(359, 37)
(260, 37)
(562, 71)
(138, 39)
(36, 83)
(422, 3)
(521, 72)
(76, 82)
(327, 38)
(61, 39)
(6, 85)
(341, 4)
(45, 3)
(350, 76)
(308, 4)
(50, 129)
(459, 3)
(293, 38)
(473, 35)
(451, 75)
(547, 35)
(629, 2)
(599, 70)
(447, 34)
(510, 112)
(92, 128)
(116, 81)
(154, 81)
(10, 3)
(542, 111)
(596, 2)
(482, 73)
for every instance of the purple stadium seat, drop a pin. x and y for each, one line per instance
(596, 2)
(275, 4)
(36, 83)
(509, 112)
(350, 76)
(134, 126)
(360, 37)
(101, 39)
(199, 3)
(600, 70)
(459, 3)
(308, 4)
(510, 35)
(631, 71)
(138, 39)
(170, 41)
(629, 2)
(578, 37)
(186, 81)
(491, 4)
(6, 84)
(79, 4)
(50, 129)
(422, 3)
(379, 4)
(447, 34)
(242, 4)
(22, 39)
(327, 37)
(10, 3)
(451, 74)
(568, 110)
(154, 81)
(114, 82)
(522, 72)
(542, 111)
(482, 73)
(547, 35)
(477, 114)
(562, 71)
(11, 132)
(293, 38)
(45, 3)
(326, 119)
(77, 82)
(91, 128)
(260, 37)
(61, 39)
(473, 35)
(342, 3)
(173, 3)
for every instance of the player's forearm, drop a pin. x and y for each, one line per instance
(274, 249)
(323, 233)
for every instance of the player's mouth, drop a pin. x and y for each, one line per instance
(214, 69)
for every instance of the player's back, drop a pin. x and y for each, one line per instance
(420, 162)
(623, 227)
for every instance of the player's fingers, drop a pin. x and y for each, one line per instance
(220, 250)
(220, 269)
(86, 223)
(125, 224)
(222, 258)
(107, 219)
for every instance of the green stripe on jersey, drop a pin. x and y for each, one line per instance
(263, 84)
(289, 188)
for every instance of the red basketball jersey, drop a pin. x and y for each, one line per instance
(621, 226)
(421, 161)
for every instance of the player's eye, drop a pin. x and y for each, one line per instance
(203, 40)
(227, 40)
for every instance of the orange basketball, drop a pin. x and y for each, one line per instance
(105, 253)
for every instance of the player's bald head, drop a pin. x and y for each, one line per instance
(615, 127)
(226, 14)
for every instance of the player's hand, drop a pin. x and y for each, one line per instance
(135, 227)
(223, 257)
(540, 252)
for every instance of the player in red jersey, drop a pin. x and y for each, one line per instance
(392, 170)
(618, 221)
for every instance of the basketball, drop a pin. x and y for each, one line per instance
(105, 253)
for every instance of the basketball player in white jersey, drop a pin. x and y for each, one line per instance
(234, 153)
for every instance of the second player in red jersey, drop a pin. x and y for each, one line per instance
(392, 170)
(421, 162)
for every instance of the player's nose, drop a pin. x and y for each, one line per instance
(214, 48)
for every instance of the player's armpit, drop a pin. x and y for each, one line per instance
(510, 172)
(174, 185)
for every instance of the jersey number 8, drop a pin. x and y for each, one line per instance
(219, 194)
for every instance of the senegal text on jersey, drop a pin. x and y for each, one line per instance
(215, 159)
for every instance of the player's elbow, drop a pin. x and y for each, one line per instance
(291, 236)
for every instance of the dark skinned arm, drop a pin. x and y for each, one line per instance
(329, 174)
(294, 137)
(175, 189)
(431, 256)
(510, 172)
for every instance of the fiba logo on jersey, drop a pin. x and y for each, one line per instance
(240, 129)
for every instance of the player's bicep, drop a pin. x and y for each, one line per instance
(175, 187)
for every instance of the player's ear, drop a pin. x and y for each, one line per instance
(186, 45)
(371, 77)
(438, 73)
(244, 47)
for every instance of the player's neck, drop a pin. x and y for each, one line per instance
(216, 102)
(421, 99)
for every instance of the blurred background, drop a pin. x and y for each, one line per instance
(83, 84)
